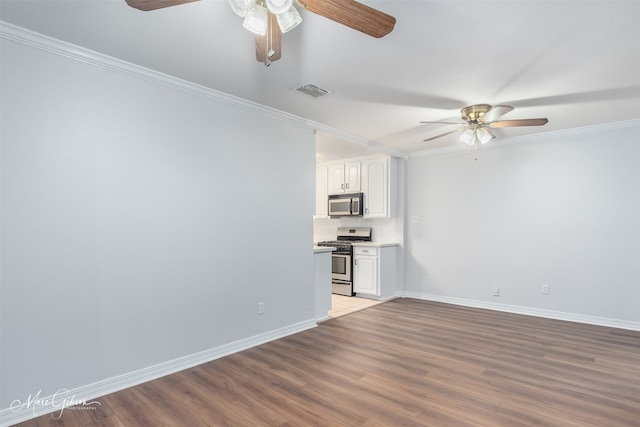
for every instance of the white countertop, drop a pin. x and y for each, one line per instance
(374, 244)
(320, 249)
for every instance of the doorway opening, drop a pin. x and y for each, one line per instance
(341, 305)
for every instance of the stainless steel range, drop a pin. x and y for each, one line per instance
(342, 257)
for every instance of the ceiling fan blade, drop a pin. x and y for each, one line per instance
(271, 42)
(147, 5)
(442, 134)
(352, 14)
(495, 112)
(516, 123)
(444, 123)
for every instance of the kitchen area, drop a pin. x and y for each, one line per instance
(358, 233)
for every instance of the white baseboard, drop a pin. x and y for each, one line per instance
(91, 392)
(530, 311)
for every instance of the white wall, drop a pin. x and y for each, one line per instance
(562, 210)
(140, 223)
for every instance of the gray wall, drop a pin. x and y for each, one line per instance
(561, 210)
(140, 223)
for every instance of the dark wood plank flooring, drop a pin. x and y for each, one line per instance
(402, 363)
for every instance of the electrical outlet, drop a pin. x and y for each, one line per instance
(495, 291)
(260, 308)
(545, 289)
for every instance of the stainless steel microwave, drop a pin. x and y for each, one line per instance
(346, 204)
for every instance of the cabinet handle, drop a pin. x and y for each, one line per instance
(355, 262)
(347, 184)
(342, 186)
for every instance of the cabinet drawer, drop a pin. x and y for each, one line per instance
(359, 250)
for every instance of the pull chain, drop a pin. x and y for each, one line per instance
(475, 151)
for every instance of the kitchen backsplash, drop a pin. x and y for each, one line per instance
(386, 230)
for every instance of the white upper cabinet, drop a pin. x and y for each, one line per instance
(344, 178)
(376, 177)
(379, 181)
(336, 179)
(375, 186)
(352, 177)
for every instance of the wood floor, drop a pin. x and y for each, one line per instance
(401, 363)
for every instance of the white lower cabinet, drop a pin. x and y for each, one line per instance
(365, 273)
(374, 271)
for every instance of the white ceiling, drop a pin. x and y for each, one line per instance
(575, 62)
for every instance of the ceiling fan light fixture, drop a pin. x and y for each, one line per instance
(288, 20)
(468, 137)
(480, 119)
(256, 20)
(278, 6)
(484, 135)
(242, 7)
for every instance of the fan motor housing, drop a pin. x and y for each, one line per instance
(473, 112)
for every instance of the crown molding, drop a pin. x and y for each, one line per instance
(58, 47)
(537, 137)
(366, 143)
(78, 53)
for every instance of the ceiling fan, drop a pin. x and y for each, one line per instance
(479, 119)
(273, 18)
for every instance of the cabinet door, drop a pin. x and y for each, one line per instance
(352, 177)
(375, 185)
(365, 275)
(336, 179)
(322, 191)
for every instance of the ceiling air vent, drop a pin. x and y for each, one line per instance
(313, 90)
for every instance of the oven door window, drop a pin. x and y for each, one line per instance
(341, 267)
(338, 265)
